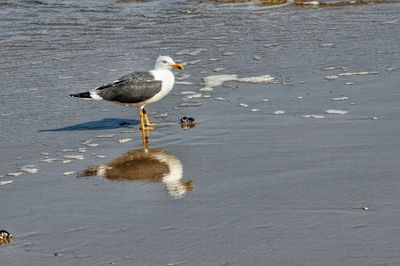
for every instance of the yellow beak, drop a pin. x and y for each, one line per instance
(177, 66)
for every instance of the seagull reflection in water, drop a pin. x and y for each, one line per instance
(146, 165)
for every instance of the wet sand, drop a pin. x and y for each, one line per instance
(301, 170)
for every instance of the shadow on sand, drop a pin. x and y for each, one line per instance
(106, 123)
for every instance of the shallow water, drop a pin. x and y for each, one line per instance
(287, 189)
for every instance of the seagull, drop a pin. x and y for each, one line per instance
(138, 88)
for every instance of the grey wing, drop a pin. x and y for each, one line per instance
(132, 88)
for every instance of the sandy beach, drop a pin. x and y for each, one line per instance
(294, 159)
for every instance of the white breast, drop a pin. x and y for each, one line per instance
(167, 78)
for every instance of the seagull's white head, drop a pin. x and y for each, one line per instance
(166, 62)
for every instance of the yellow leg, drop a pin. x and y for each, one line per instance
(141, 119)
(148, 124)
(145, 138)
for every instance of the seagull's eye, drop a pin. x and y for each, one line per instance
(164, 61)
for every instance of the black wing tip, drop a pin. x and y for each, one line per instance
(81, 95)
